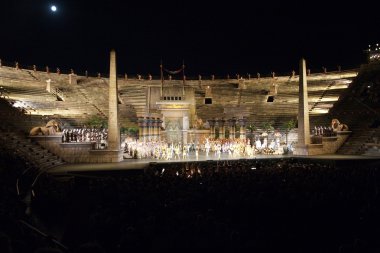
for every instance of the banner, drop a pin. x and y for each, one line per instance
(173, 72)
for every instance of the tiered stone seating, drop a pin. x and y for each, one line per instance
(358, 115)
(133, 94)
(252, 100)
(372, 146)
(13, 137)
(34, 153)
(90, 96)
(355, 145)
(20, 75)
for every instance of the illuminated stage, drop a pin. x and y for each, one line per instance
(142, 164)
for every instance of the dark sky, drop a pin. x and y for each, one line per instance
(212, 37)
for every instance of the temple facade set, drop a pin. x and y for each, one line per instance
(234, 127)
(149, 127)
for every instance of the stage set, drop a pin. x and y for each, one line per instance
(166, 134)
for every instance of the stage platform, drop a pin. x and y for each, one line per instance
(142, 164)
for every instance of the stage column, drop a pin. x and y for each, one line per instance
(222, 129)
(159, 124)
(212, 128)
(231, 124)
(154, 129)
(140, 123)
(149, 126)
(145, 129)
(242, 123)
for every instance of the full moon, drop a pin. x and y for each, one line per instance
(53, 8)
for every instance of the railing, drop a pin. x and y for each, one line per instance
(45, 236)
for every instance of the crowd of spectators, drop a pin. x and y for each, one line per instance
(278, 205)
(261, 205)
(15, 236)
(21, 231)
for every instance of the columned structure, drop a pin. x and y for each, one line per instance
(149, 127)
(232, 124)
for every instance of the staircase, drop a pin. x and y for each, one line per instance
(14, 136)
(30, 151)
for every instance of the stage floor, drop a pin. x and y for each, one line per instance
(141, 164)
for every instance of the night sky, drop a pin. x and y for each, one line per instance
(212, 38)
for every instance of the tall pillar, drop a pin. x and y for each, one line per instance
(159, 124)
(141, 128)
(231, 123)
(185, 127)
(303, 107)
(230, 129)
(154, 127)
(149, 130)
(145, 129)
(303, 114)
(222, 129)
(113, 117)
(212, 128)
(113, 153)
(242, 123)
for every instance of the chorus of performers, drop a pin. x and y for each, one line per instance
(323, 131)
(94, 135)
(210, 147)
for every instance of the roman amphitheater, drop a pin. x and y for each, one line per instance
(185, 110)
(266, 162)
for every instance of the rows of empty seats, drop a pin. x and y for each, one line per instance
(14, 136)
